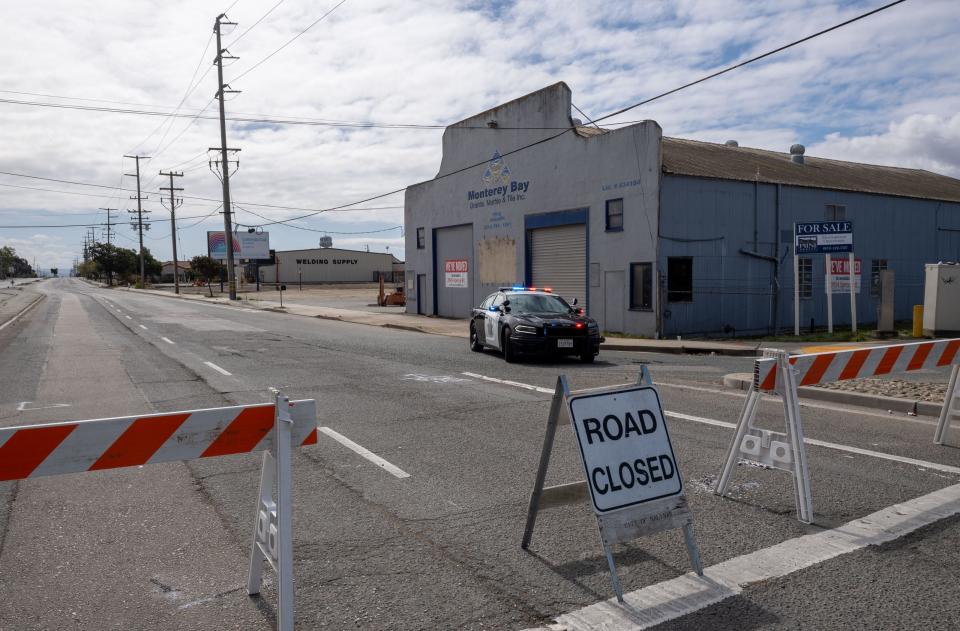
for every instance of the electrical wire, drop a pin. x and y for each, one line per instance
(320, 230)
(254, 25)
(288, 42)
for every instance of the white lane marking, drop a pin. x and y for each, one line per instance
(142, 327)
(516, 384)
(23, 406)
(23, 311)
(433, 378)
(366, 453)
(118, 311)
(218, 369)
(716, 423)
(686, 594)
(128, 317)
(167, 340)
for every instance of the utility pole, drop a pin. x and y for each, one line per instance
(174, 204)
(224, 163)
(139, 198)
(109, 231)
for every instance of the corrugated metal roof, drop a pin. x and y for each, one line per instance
(707, 159)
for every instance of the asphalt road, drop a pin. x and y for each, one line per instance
(165, 546)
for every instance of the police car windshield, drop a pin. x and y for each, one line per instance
(537, 303)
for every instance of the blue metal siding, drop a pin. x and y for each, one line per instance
(714, 221)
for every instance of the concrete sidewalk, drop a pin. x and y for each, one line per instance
(453, 327)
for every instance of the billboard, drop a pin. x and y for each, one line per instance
(246, 245)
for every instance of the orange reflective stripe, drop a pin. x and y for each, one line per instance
(139, 442)
(948, 353)
(920, 356)
(243, 433)
(311, 438)
(889, 359)
(27, 448)
(817, 369)
(854, 364)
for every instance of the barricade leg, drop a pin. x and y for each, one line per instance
(534, 507)
(791, 409)
(614, 578)
(692, 549)
(273, 531)
(949, 407)
(747, 415)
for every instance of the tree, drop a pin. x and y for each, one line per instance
(152, 268)
(111, 260)
(13, 265)
(207, 269)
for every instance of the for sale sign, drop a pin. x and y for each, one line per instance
(625, 447)
(818, 237)
(456, 273)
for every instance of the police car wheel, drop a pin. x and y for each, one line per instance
(509, 354)
(475, 344)
(587, 358)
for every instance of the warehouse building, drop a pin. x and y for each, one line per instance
(660, 236)
(328, 265)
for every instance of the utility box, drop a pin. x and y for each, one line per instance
(941, 300)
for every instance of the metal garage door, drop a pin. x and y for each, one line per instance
(453, 271)
(558, 259)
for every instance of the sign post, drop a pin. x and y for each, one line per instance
(853, 295)
(633, 480)
(821, 237)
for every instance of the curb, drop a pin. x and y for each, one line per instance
(744, 381)
(22, 311)
(681, 350)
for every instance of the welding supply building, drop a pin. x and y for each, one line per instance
(328, 265)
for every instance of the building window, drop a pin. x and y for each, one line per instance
(614, 215)
(876, 266)
(835, 212)
(421, 240)
(805, 264)
(680, 279)
(641, 286)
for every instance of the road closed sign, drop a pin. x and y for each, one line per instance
(625, 447)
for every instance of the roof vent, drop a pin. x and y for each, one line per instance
(577, 122)
(492, 124)
(796, 153)
(732, 143)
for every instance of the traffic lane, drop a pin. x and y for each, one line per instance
(114, 548)
(909, 583)
(785, 492)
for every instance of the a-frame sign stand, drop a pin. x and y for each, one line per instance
(616, 525)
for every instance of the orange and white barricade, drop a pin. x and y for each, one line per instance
(780, 374)
(92, 445)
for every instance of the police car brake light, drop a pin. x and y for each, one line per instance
(547, 289)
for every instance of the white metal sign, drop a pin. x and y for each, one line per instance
(840, 276)
(456, 273)
(246, 245)
(625, 447)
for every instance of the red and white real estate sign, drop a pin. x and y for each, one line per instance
(456, 273)
(840, 281)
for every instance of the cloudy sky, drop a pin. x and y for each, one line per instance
(884, 90)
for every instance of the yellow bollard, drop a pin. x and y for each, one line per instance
(917, 320)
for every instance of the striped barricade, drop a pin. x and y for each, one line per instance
(781, 374)
(93, 445)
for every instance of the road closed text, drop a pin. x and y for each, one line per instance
(638, 472)
(627, 454)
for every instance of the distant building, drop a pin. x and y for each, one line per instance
(328, 265)
(659, 236)
(166, 271)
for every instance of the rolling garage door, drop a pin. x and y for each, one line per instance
(558, 259)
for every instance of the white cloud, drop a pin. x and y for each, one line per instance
(882, 90)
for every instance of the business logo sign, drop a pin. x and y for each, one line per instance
(823, 237)
(500, 185)
(246, 245)
(456, 273)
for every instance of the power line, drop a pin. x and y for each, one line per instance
(620, 111)
(254, 25)
(288, 42)
(291, 225)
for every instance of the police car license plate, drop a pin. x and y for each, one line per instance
(564, 343)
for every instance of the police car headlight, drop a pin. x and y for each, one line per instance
(526, 330)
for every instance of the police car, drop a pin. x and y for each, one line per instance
(530, 321)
